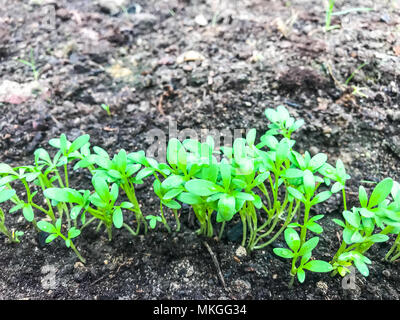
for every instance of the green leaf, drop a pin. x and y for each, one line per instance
(363, 196)
(118, 218)
(121, 161)
(260, 178)
(251, 137)
(308, 246)
(378, 238)
(173, 181)
(340, 169)
(301, 275)
(63, 195)
(171, 204)
(172, 193)
(315, 227)
(101, 187)
(272, 115)
(75, 211)
(226, 175)
(318, 266)
(226, 209)
(292, 239)
(189, 198)
(352, 218)
(6, 194)
(309, 183)
(46, 227)
(361, 267)
(336, 187)
(51, 237)
(27, 211)
(380, 192)
(174, 145)
(202, 188)
(321, 197)
(339, 222)
(317, 161)
(79, 143)
(6, 169)
(126, 205)
(145, 172)
(366, 213)
(73, 233)
(282, 151)
(284, 253)
(293, 173)
(297, 194)
(244, 196)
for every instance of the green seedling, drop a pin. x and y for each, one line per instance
(153, 220)
(359, 227)
(303, 251)
(106, 108)
(267, 186)
(32, 65)
(6, 194)
(329, 13)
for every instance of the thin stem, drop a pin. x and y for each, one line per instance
(77, 253)
(66, 176)
(178, 223)
(164, 221)
(221, 231)
(130, 230)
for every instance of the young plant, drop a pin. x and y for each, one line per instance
(32, 65)
(106, 108)
(7, 194)
(303, 251)
(329, 13)
(359, 227)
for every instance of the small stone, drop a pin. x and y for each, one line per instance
(314, 150)
(201, 20)
(241, 252)
(386, 273)
(113, 7)
(322, 288)
(241, 286)
(189, 56)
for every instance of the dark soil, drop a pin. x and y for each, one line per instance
(256, 54)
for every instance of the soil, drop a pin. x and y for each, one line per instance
(248, 55)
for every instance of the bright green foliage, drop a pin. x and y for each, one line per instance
(7, 194)
(359, 228)
(303, 251)
(268, 186)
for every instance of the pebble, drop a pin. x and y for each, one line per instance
(322, 288)
(241, 286)
(201, 20)
(386, 273)
(241, 252)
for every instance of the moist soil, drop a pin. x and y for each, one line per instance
(246, 56)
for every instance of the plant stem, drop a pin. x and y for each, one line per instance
(164, 221)
(77, 253)
(178, 223)
(221, 231)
